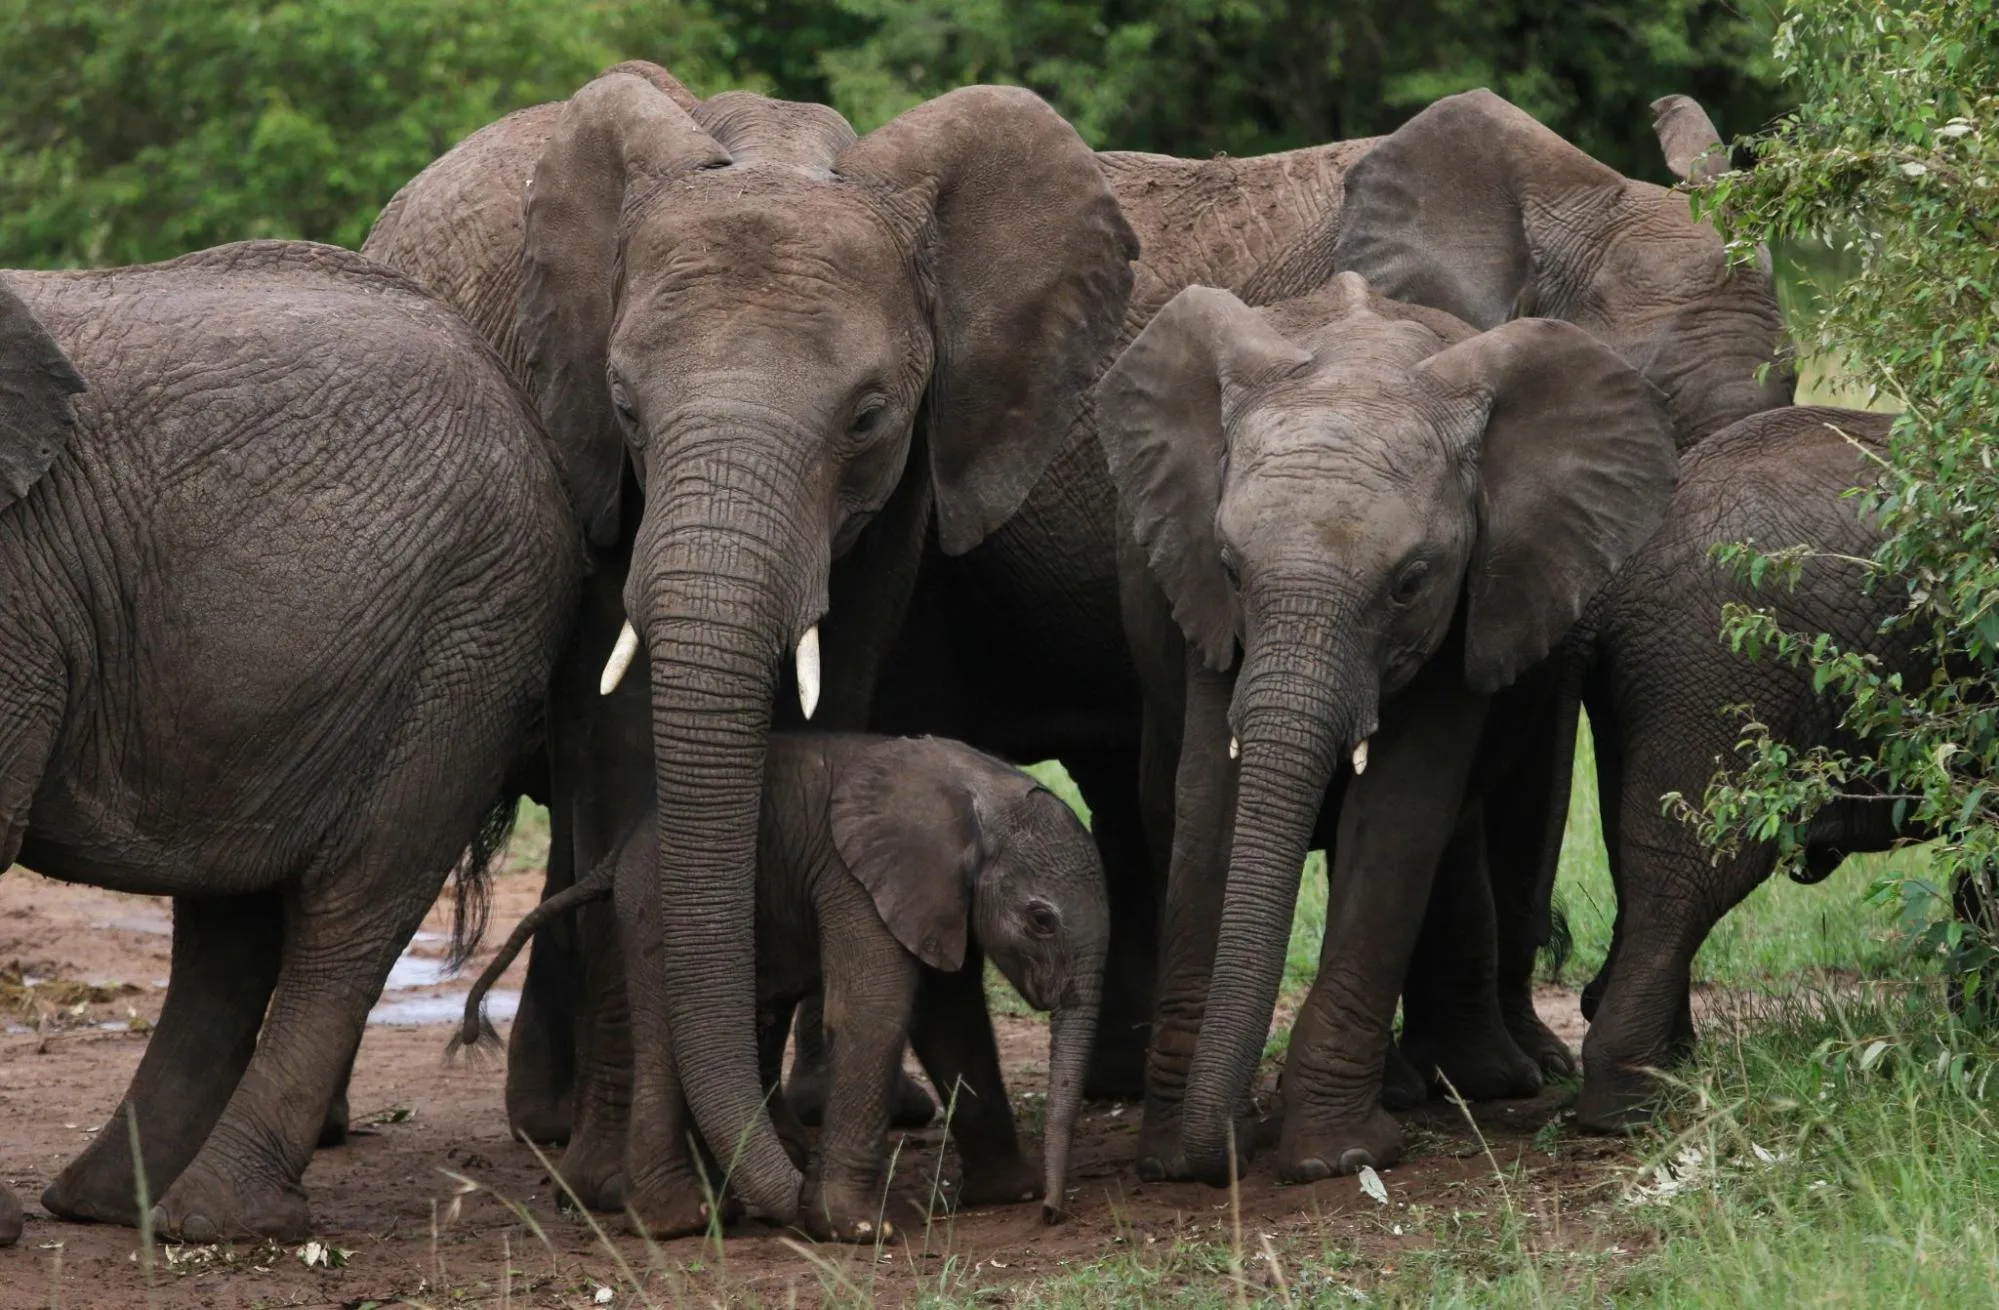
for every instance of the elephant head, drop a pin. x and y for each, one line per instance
(948, 840)
(763, 316)
(1474, 208)
(1329, 486)
(36, 412)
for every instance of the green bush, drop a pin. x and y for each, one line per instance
(133, 130)
(1893, 157)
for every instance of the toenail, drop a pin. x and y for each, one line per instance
(1352, 1161)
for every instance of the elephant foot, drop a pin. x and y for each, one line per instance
(95, 1189)
(11, 1219)
(1005, 1182)
(1615, 1102)
(1482, 1062)
(594, 1171)
(1158, 1143)
(333, 1129)
(677, 1208)
(833, 1214)
(204, 1207)
(1539, 1043)
(1402, 1087)
(805, 1093)
(1308, 1154)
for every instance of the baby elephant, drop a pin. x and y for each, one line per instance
(886, 869)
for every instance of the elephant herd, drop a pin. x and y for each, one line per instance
(1293, 502)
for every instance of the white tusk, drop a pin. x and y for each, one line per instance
(621, 659)
(808, 670)
(1235, 748)
(1360, 757)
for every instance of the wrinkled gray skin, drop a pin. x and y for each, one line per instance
(1391, 518)
(11, 1218)
(751, 310)
(888, 869)
(1472, 208)
(1013, 646)
(284, 567)
(1657, 682)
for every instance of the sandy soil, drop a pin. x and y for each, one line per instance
(431, 1204)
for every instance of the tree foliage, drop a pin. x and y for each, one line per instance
(138, 129)
(1893, 153)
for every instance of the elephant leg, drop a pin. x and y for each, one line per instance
(953, 1036)
(805, 1090)
(1452, 1029)
(1516, 827)
(1669, 899)
(1109, 782)
(1203, 831)
(11, 1218)
(542, 1045)
(593, 1165)
(333, 1128)
(870, 987)
(773, 1031)
(344, 928)
(225, 962)
(1395, 822)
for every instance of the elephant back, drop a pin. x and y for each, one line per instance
(458, 226)
(1262, 228)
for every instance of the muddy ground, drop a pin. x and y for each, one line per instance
(431, 1204)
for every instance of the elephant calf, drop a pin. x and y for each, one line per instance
(284, 568)
(1657, 681)
(887, 867)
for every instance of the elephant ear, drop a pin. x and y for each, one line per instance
(914, 820)
(1160, 417)
(36, 383)
(1436, 214)
(1693, 147)
(1029, 261)
(1576, 465)
(620, 132)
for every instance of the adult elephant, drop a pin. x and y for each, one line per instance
(761, 345)
(1658, 681)
(284, 568)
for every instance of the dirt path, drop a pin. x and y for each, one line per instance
(404, 1230)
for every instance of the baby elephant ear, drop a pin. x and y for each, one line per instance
(1576, 465)
(36, 383)
(1160, 420)
(912, 841)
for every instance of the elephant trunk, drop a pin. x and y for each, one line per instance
(1305, 695)
(726, 591)
(1072, 1030)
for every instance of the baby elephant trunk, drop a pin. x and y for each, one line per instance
(1071, 1031)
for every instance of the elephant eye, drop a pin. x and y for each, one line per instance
(1042, 920)
(1410, 584)
(621, 400)
(1232, 568)
(868, 416)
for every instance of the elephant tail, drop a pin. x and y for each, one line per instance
(474, 1030)
(471, 881)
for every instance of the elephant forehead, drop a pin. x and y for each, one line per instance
(750, 224)
(1335, 417)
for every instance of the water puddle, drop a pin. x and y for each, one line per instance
(409, 1011)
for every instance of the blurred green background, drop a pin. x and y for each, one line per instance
(133, 130)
